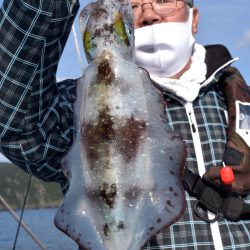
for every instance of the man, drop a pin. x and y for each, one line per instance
(191, 77)
(34, 134)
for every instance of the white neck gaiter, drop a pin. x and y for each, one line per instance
(164, 49)
(188, 86)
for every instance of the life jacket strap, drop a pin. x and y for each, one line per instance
(214, 199)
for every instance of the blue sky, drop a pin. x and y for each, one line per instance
(225, 22)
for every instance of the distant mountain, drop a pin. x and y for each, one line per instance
(13, 185)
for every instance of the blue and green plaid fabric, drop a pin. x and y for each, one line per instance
(189, 232)
(36, 120)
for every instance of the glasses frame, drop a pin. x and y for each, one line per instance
(155, 10)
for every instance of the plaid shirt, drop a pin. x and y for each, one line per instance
(189, 232)
(36, 119)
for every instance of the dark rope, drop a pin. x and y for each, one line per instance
(21, 216)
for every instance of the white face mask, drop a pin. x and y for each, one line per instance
(164, 49)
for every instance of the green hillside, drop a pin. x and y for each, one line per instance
(13, 185)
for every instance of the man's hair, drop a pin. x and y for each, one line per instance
(190, 3)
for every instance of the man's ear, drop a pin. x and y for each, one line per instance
(195, 20)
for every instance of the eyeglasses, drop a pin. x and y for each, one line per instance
(161, 7)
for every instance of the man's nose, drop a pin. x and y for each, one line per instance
(149, 16)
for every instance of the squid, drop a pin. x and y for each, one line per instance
(125, 166)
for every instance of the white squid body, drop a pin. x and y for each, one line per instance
(125, 165)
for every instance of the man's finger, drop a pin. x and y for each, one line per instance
(213, 173)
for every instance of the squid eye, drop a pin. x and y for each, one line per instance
(87, 43)
(122, 30)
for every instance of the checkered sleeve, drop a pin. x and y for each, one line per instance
(36, 118)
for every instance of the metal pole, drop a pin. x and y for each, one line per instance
(26, 228)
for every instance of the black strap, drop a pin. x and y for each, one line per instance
(232, 156)
(213, 198)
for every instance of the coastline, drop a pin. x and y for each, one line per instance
(13, 185)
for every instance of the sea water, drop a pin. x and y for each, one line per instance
(40, 222)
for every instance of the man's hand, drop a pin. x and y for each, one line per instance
(241, 183)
